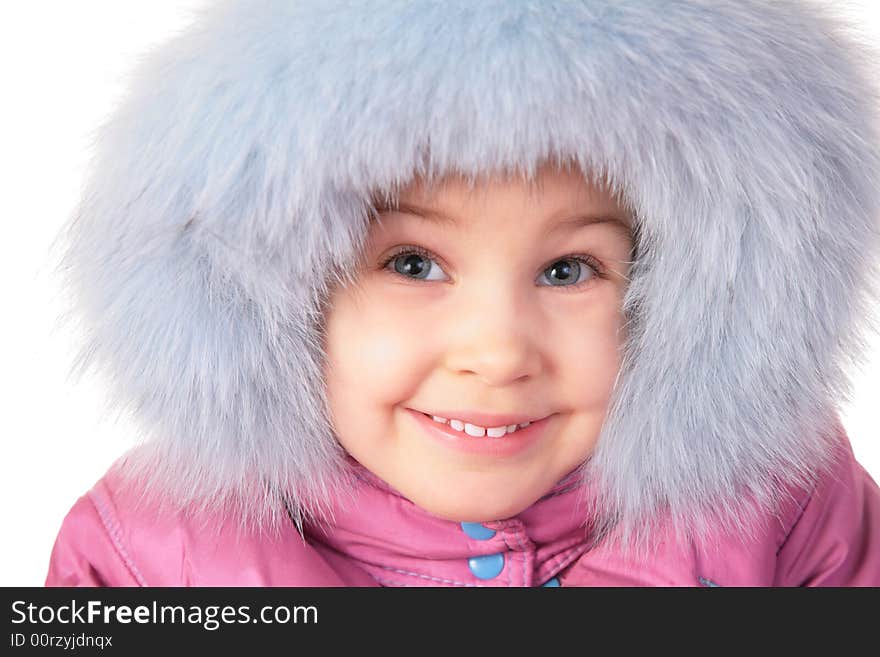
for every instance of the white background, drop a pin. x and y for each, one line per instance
(63, 65)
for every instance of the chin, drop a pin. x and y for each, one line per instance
(467, 511)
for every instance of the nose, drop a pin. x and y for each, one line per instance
(496, 339)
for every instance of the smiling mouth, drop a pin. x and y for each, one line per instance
(475, 430)
(471, 439)
(455, 426)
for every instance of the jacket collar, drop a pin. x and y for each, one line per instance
(400, 544)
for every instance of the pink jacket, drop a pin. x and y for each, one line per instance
(829, 536)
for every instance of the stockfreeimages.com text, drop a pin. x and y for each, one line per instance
(210, 616)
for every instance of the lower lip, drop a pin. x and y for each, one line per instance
(507, 445)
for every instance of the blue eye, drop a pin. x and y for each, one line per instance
(416, 263)
(413, 261)
(563, 272)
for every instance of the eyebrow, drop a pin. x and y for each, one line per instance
(571, 223)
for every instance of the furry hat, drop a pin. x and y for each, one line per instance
(231, 187)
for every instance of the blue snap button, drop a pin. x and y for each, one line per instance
(477, 531)
(551, 582)
(488, 566)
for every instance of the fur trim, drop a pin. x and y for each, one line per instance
(241, 163)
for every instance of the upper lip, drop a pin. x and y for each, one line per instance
(487, 420)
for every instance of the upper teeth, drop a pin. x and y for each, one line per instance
(478, 431)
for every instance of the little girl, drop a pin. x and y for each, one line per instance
(482, 294)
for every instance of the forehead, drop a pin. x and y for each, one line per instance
(560, 198)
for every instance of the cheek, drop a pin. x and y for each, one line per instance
(588, 352)
(372, 349)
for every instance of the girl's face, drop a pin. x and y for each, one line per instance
(501, 300)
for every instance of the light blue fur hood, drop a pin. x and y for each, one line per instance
(229, 192)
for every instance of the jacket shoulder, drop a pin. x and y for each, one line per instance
(825, 536)
(86, 551)
(110, 538)
(834, 535)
